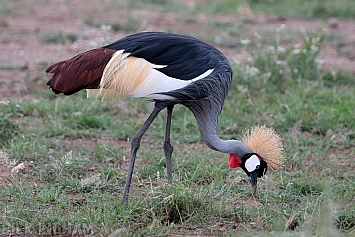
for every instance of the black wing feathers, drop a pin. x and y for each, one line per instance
(185, 57)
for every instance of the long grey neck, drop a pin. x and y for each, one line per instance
(207, 113)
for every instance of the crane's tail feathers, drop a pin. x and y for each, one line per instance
(82, 71)
(268, 144)
(55, 67)
(122, 76)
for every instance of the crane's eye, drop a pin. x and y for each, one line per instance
(252, 163)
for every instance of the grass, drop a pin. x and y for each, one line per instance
(309, 9)
(131, 24)
(287, 8)
(75, 151)
(8, 129)
(313, 92)
(57, 37)
(6, 8)
(78, 187)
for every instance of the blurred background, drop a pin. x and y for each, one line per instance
(37, 32)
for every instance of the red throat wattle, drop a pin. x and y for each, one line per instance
(234, 161)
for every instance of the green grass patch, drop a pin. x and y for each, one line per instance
(57, 37)
(309, 9)
(131, 23)
(287, 8)
(6, 7)
(8, 128)
(292, 82)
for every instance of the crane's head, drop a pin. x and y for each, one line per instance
(266, 151)
(252, 164)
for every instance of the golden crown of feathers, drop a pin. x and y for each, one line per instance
(267, 143)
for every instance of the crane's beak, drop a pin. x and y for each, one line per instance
(254, 181)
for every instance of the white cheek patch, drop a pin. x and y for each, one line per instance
(252, 163)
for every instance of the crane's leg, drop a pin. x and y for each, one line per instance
(135, 143)
(168, 149)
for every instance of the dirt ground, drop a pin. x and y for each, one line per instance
(23, 53)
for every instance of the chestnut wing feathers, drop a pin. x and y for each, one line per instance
(83, 71)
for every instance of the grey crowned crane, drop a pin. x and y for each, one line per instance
(169, 69)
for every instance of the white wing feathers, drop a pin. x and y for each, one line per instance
(136, 77)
